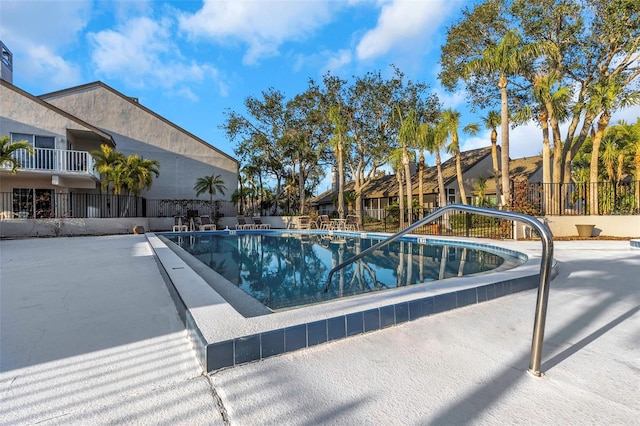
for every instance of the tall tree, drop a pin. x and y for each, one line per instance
(504, 60)
(591, 41)
(396, 159)
(260, 135)
(437, 141)
(607, 95)
(407, 135)
(338, 143)
(491, 122)
(451, 121)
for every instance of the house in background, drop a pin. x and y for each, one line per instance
(477, 166)
(65, 126)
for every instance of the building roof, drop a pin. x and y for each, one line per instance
(100, 133)
(519, 169)
(387, 185)
(133, 101)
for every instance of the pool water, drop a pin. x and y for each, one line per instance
(285, 270)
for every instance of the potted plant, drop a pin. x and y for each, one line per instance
(585, 230)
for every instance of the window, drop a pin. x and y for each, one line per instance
(451, 195)
(30, 203)
(43, 159)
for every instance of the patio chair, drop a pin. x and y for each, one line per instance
(352, 223)
(304, 222)
(243, 223)
(324, 222)
(179, 224)
(257, 223)
(206, 225)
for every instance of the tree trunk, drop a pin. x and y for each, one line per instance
(421, 182)
(301, 185)
(496, 170)
(504, 126)
(442, 195)
(546, 159)
(593, 167)
(463, 193)
(340, 180)
(407, 178)
(400, 197)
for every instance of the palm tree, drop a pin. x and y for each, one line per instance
(607, 95)
(437, 139)
(139, 173)
(407, 136)
(338, 143)
(395, 160)
(424, 138)
(105, 162)
(552, 100)
(628, 135)
(491, 122)
(8, 150)
(504, 59)
(451, 121)
(211, 185)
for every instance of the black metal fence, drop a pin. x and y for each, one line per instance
(573, 199)
(45, 203)
(457, 224)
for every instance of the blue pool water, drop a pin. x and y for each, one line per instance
(285, 270)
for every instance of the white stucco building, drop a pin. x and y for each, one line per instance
(65, 126)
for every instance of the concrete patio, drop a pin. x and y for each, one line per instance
(90, 335)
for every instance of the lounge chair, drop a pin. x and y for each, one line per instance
(257, 223)
(243, 223)
(304, 222)
(206, 225)
(352, 223)
(179, 224)
(324, 222)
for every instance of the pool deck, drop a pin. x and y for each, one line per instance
(90, 335)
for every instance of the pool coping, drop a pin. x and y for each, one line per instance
(247, 339)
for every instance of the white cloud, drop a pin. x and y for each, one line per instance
(37, 32)
(143, 54)
(337, 61)
(56, 71)
(403, 24)
(261, 25)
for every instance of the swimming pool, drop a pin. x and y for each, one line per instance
(286, 270)
(228, 327)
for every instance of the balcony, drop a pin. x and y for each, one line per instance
(62, 162)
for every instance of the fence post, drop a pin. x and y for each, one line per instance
(467, 223)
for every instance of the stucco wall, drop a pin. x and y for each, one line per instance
(612, 226)
(482, 168)
(183, 158)
(22, 228)
(19, 114)
(606, 226)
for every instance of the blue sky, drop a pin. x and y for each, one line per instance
(189, 61)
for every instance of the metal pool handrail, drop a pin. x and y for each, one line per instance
(545, 265)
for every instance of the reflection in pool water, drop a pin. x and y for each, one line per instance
(284, 270)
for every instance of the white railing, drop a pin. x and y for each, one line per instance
(56, 160)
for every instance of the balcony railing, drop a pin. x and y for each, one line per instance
(56, 160)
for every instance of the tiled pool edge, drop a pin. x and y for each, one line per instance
(635, 244)
(260, 346)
